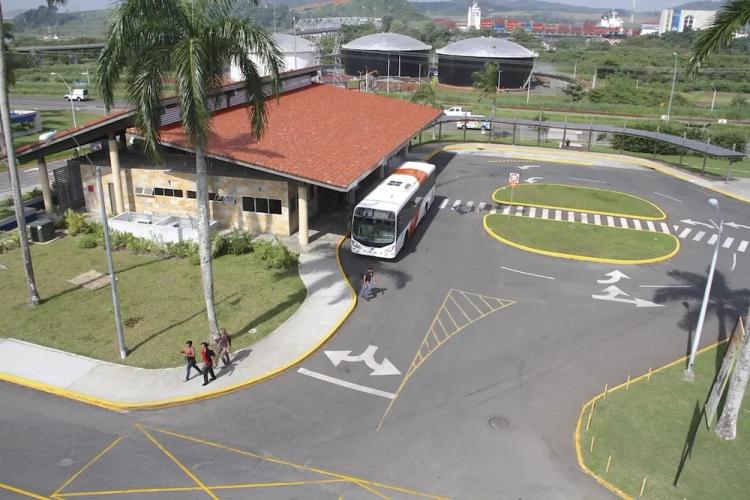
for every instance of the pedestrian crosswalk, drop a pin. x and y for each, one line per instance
(684, 233)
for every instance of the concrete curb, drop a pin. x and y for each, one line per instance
(120, 406)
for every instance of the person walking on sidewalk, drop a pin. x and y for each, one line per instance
(207, 355)
(189, 352)
(367, 280)
(225, 344)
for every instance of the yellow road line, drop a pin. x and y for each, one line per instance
(179, 464)
(418, 359)
(470, 302)
(663, 216)
(89, 464)
(460, 308)
(571, 256)
(238, 486)
(371, 490)
(450, 316)
(166, 403)
(352, 479)
(21, 492)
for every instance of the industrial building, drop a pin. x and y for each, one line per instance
(458, 60)
(297, 52)
(390, 54)
(685, 20)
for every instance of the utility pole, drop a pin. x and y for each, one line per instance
(110, 264)
(713, 100)
(674, 80)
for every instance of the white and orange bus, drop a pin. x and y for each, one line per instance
(389, 215)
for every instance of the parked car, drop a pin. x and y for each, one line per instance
(78, 95)
(476, 123)
(457, 111)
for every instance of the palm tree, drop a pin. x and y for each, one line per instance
(11, 160)
(426, 93)
(726, 428)
(191, 40)
(732, 17)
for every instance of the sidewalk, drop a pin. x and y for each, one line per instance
(119, 387)
(739, 189)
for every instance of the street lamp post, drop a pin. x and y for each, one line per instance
(70, 94)
(110, 264)
(671, 93)
(689, 373)
(713, 99)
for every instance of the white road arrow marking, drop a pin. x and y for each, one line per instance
(697, 223)
(368, 357)
(613, 294)
(735, 225)
(526, 167)
(532, 180)
(614, 276)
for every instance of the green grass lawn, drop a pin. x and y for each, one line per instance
(584, 199)
(582, 240)
(161, 301)
(645, 430)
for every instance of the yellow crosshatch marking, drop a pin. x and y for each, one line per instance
(324, 477)
(471, 306)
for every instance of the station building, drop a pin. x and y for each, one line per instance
(321, 144)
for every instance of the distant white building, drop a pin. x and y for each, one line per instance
(649, 28)
(474, 18)
(685, 20)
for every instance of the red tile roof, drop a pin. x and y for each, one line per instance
(318, 133)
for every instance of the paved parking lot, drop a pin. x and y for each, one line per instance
(461, 378)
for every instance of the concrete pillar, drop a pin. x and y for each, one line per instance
(123, 141)
(302, 213)
(49, 206)
(381, 172)
(351, 197)
(114, 160)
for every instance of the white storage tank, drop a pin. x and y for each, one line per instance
(298, 53)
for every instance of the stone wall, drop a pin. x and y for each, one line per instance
(228, 215)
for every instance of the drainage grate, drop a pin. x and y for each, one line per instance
(499, 423)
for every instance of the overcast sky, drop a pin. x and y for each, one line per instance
(622, 4)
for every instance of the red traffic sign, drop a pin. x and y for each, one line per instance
(514, 178)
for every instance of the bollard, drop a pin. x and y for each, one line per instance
(643, 486)
(591, 448)
(648, 379)
(609, 461)
(605, 391)
(627, 384)
(591, 413)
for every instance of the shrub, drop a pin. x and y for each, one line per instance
(75, 222)
(87, 241)
(234, 243)
(276, 255)
(9, 241)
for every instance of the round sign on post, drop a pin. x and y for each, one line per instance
(514, 178)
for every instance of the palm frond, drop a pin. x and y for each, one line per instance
(145, 88)
(731, 18)
(192, 89)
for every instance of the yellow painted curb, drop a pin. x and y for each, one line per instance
(633, 160)
(590, 402)
(550, 253)
(116, 406)
(614, 214)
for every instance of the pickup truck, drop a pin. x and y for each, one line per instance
(78, 95)
(457, 111)
(475, 123)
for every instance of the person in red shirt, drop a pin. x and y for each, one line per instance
(189, 352)
(208, 362)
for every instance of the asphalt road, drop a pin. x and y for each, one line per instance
(28, 178)
(523, 351)
(59, 103)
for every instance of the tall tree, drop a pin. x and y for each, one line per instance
(10, 155)
(732, 17)
(192, 41)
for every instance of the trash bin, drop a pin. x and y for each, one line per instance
(42, 230)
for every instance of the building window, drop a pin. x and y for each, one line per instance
(191, 194)
(261, 205)
(687, 25)
(274, 207)
(248, 204)
(176, 193)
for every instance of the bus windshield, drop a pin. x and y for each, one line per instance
(375, 228)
